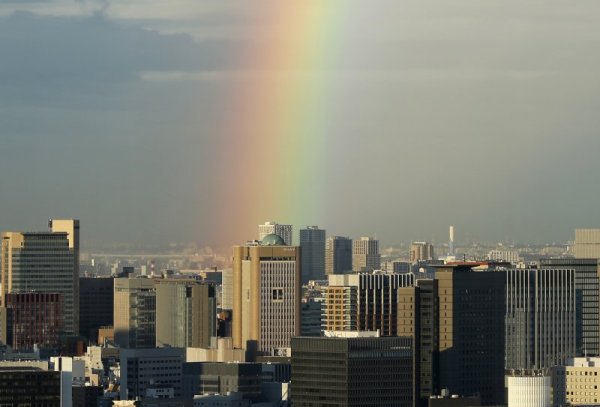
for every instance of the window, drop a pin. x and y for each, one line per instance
(277, 294)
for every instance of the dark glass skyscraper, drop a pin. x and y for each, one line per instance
(338, 255)
(351, 371)
(312, 244)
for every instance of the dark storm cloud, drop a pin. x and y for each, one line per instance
(41, 50)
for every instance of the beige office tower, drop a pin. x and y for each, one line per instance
(421, 251)
(71, 228)
(186, 313)
(274, 228)
(135, 313)
(340, 308)
(40, 262)
(365, 254)
(587, 244)
(266, 295)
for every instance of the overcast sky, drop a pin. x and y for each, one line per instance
(480, 114)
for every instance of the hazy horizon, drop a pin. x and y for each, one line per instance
(392, 119)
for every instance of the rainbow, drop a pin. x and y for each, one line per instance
(275, 129)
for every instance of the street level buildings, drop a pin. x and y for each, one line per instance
(144, 369)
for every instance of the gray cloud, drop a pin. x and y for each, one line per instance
(478, 114)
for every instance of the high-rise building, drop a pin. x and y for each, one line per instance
(352, 371)
(274, 228)
(186, 313)
(587, 313)
(418, 317)
(312, 245)
(364, 302)
(42, 262)
(587, 244)
(365, 254)
(30, 319)
(471, 331)
(71, 228)
(266, 294)
(338, 255)
(96, 302)
(540, 317)
(421, 251)
(143, 369)
(135, 313)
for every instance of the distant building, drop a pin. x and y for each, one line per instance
(29, 319)
(312, 245)
(227, 290)
(365, 254)
(471, 331)
(363, 302)
(587, 313)
(540, 317)
(274, 228)
(421, 251)
(186, 312)
(401, 267)
(587, 244)
(135, 313)
(43, 262)
(338, 255)
(351, 371)
(96, 305)
(142, 369)
(266, 294)
(509, 256)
